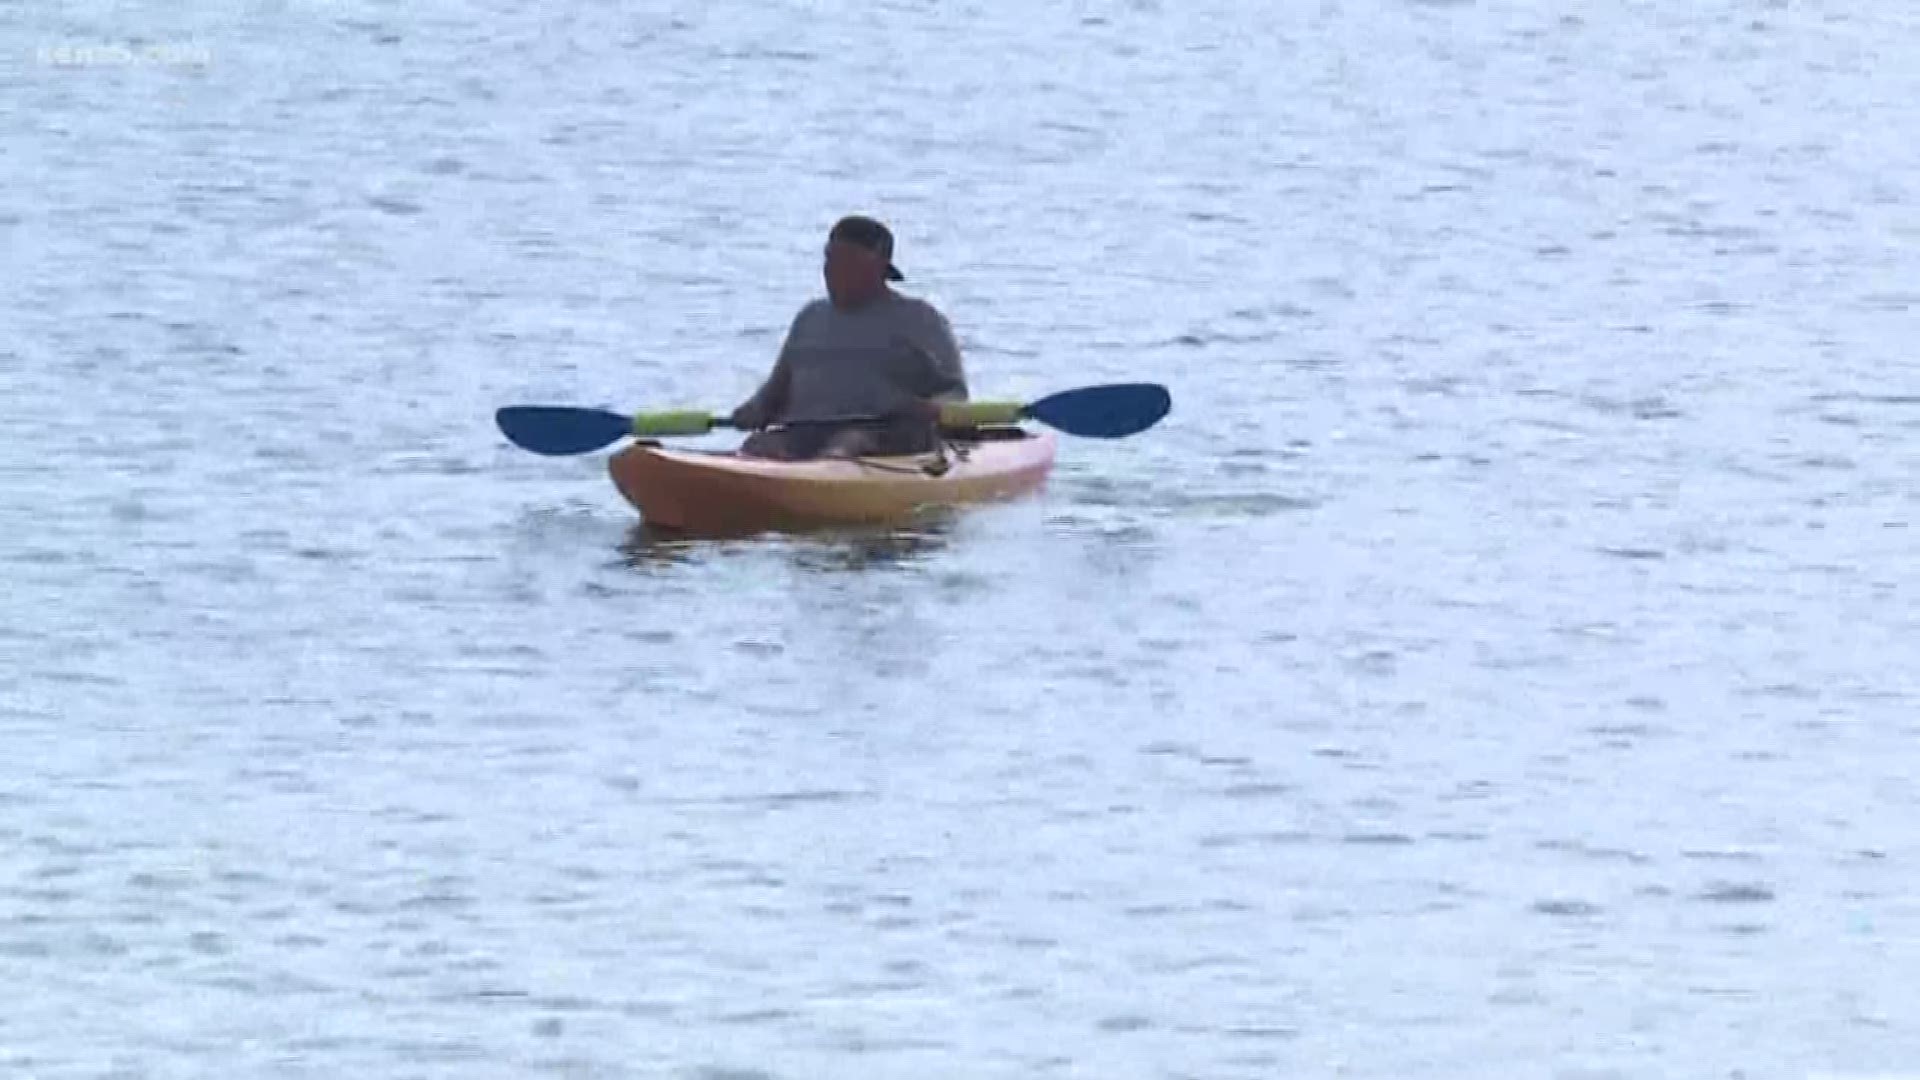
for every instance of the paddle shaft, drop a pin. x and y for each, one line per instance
(1106, 412)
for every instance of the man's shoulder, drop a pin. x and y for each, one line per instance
(813, 309)
(914, 309)
(917, 304)
(813, 319)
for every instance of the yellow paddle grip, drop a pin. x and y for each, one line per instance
(978, 413)
(682, 422)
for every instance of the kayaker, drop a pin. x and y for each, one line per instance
(863, 351)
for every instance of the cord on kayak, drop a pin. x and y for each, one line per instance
(944, 454)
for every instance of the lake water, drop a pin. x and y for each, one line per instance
(1500, 663)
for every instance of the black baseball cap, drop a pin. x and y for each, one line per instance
(870, 234)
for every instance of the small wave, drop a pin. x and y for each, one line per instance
(1736, 893)
(1378, 839)
(1567, 908)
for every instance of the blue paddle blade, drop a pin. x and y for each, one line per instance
(1104, 412)
(557, 429)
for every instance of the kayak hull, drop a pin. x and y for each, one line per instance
(703, 491)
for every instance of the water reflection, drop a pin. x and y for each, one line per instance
(846, 549)
(647, 547)
(821, 550)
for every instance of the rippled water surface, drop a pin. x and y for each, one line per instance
(1501, 663)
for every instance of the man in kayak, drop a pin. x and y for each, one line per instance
(864, 351)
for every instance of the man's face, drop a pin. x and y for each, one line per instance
(853, 273)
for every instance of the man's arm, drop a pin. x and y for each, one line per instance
(945, 377)
(759, 410)
(766, 403)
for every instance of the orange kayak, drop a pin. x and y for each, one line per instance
(704, 491)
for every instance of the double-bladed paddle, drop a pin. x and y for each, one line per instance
(1112, 411)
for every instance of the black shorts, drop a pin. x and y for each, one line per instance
(803, 441)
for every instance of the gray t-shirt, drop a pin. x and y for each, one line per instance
(865, 362)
